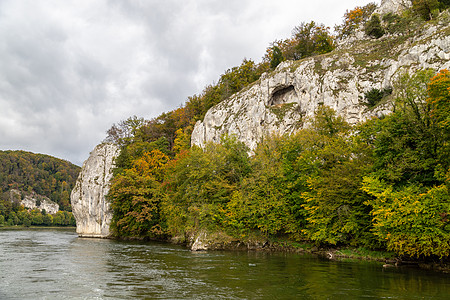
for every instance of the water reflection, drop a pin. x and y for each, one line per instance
(58, 265)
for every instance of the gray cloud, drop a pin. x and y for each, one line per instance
(70, 69)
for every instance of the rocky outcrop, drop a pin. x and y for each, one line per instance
(34, 201)
(40, 202)
(204, 240)
(90, 208)
(393, 6)
(281, 102)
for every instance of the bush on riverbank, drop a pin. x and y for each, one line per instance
(35, 217)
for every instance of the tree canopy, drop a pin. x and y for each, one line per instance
(39, 173)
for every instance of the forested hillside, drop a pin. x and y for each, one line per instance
(35, 173)
(382, 184)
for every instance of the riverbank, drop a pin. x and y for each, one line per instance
(203, 241)
(386, 259)
(21, 227)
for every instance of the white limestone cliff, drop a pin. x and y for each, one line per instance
(90, 208)
(40, 202)
(282, 101)
(33, 201)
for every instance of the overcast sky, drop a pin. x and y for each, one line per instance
(69, 69)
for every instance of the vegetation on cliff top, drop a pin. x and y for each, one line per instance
(381, 185)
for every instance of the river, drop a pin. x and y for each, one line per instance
(56, 264)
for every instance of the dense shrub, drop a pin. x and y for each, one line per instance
(374, 96)
(373, 27)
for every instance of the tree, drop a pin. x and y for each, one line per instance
(444, 3)
(425, 8)
(27, 220)
(439, 103)
(123, 132)
(406, 143)
(353, 19)
(135, 197)
(36, 217)
(234, 79)
(327, 123)
(261, 201)
(311, 39)
(182, 140)
(439, 99)
(200, 182)
(276, 57)
(58, 218)
(411, 222)
(334, 204)
(47, 219)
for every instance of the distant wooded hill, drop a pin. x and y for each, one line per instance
(43, 174)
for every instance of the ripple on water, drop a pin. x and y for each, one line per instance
(57, 265)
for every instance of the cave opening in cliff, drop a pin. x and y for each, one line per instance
(283, 95)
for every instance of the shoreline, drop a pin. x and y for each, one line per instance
(224, 242)
(21, 227)
(220, 241)
(387, 259)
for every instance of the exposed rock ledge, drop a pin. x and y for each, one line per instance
(204, 240)
(91, 210)
(33, 201)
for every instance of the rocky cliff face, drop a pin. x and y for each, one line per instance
(393, 6)
(281, 102)
(91, 210)
(33, 200)
(41, 203)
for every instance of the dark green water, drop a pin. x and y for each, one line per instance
(56, 264)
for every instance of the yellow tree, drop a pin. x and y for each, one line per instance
(135, 200)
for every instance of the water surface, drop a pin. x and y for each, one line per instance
(56, 264)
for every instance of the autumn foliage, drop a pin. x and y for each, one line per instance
(382, 184)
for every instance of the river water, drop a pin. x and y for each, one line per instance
(56, 264)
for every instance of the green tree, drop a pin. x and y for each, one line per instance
(47, 219)
(27, 220)
(439, 99)
(312, 39)
(276, 57)
(123, 132)
(406, 143)
(234, 79)
(14, 219)
(36, 217)
(426, 8)
(182, 140)
(336, 212)
(200, 182)
(261, 203)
